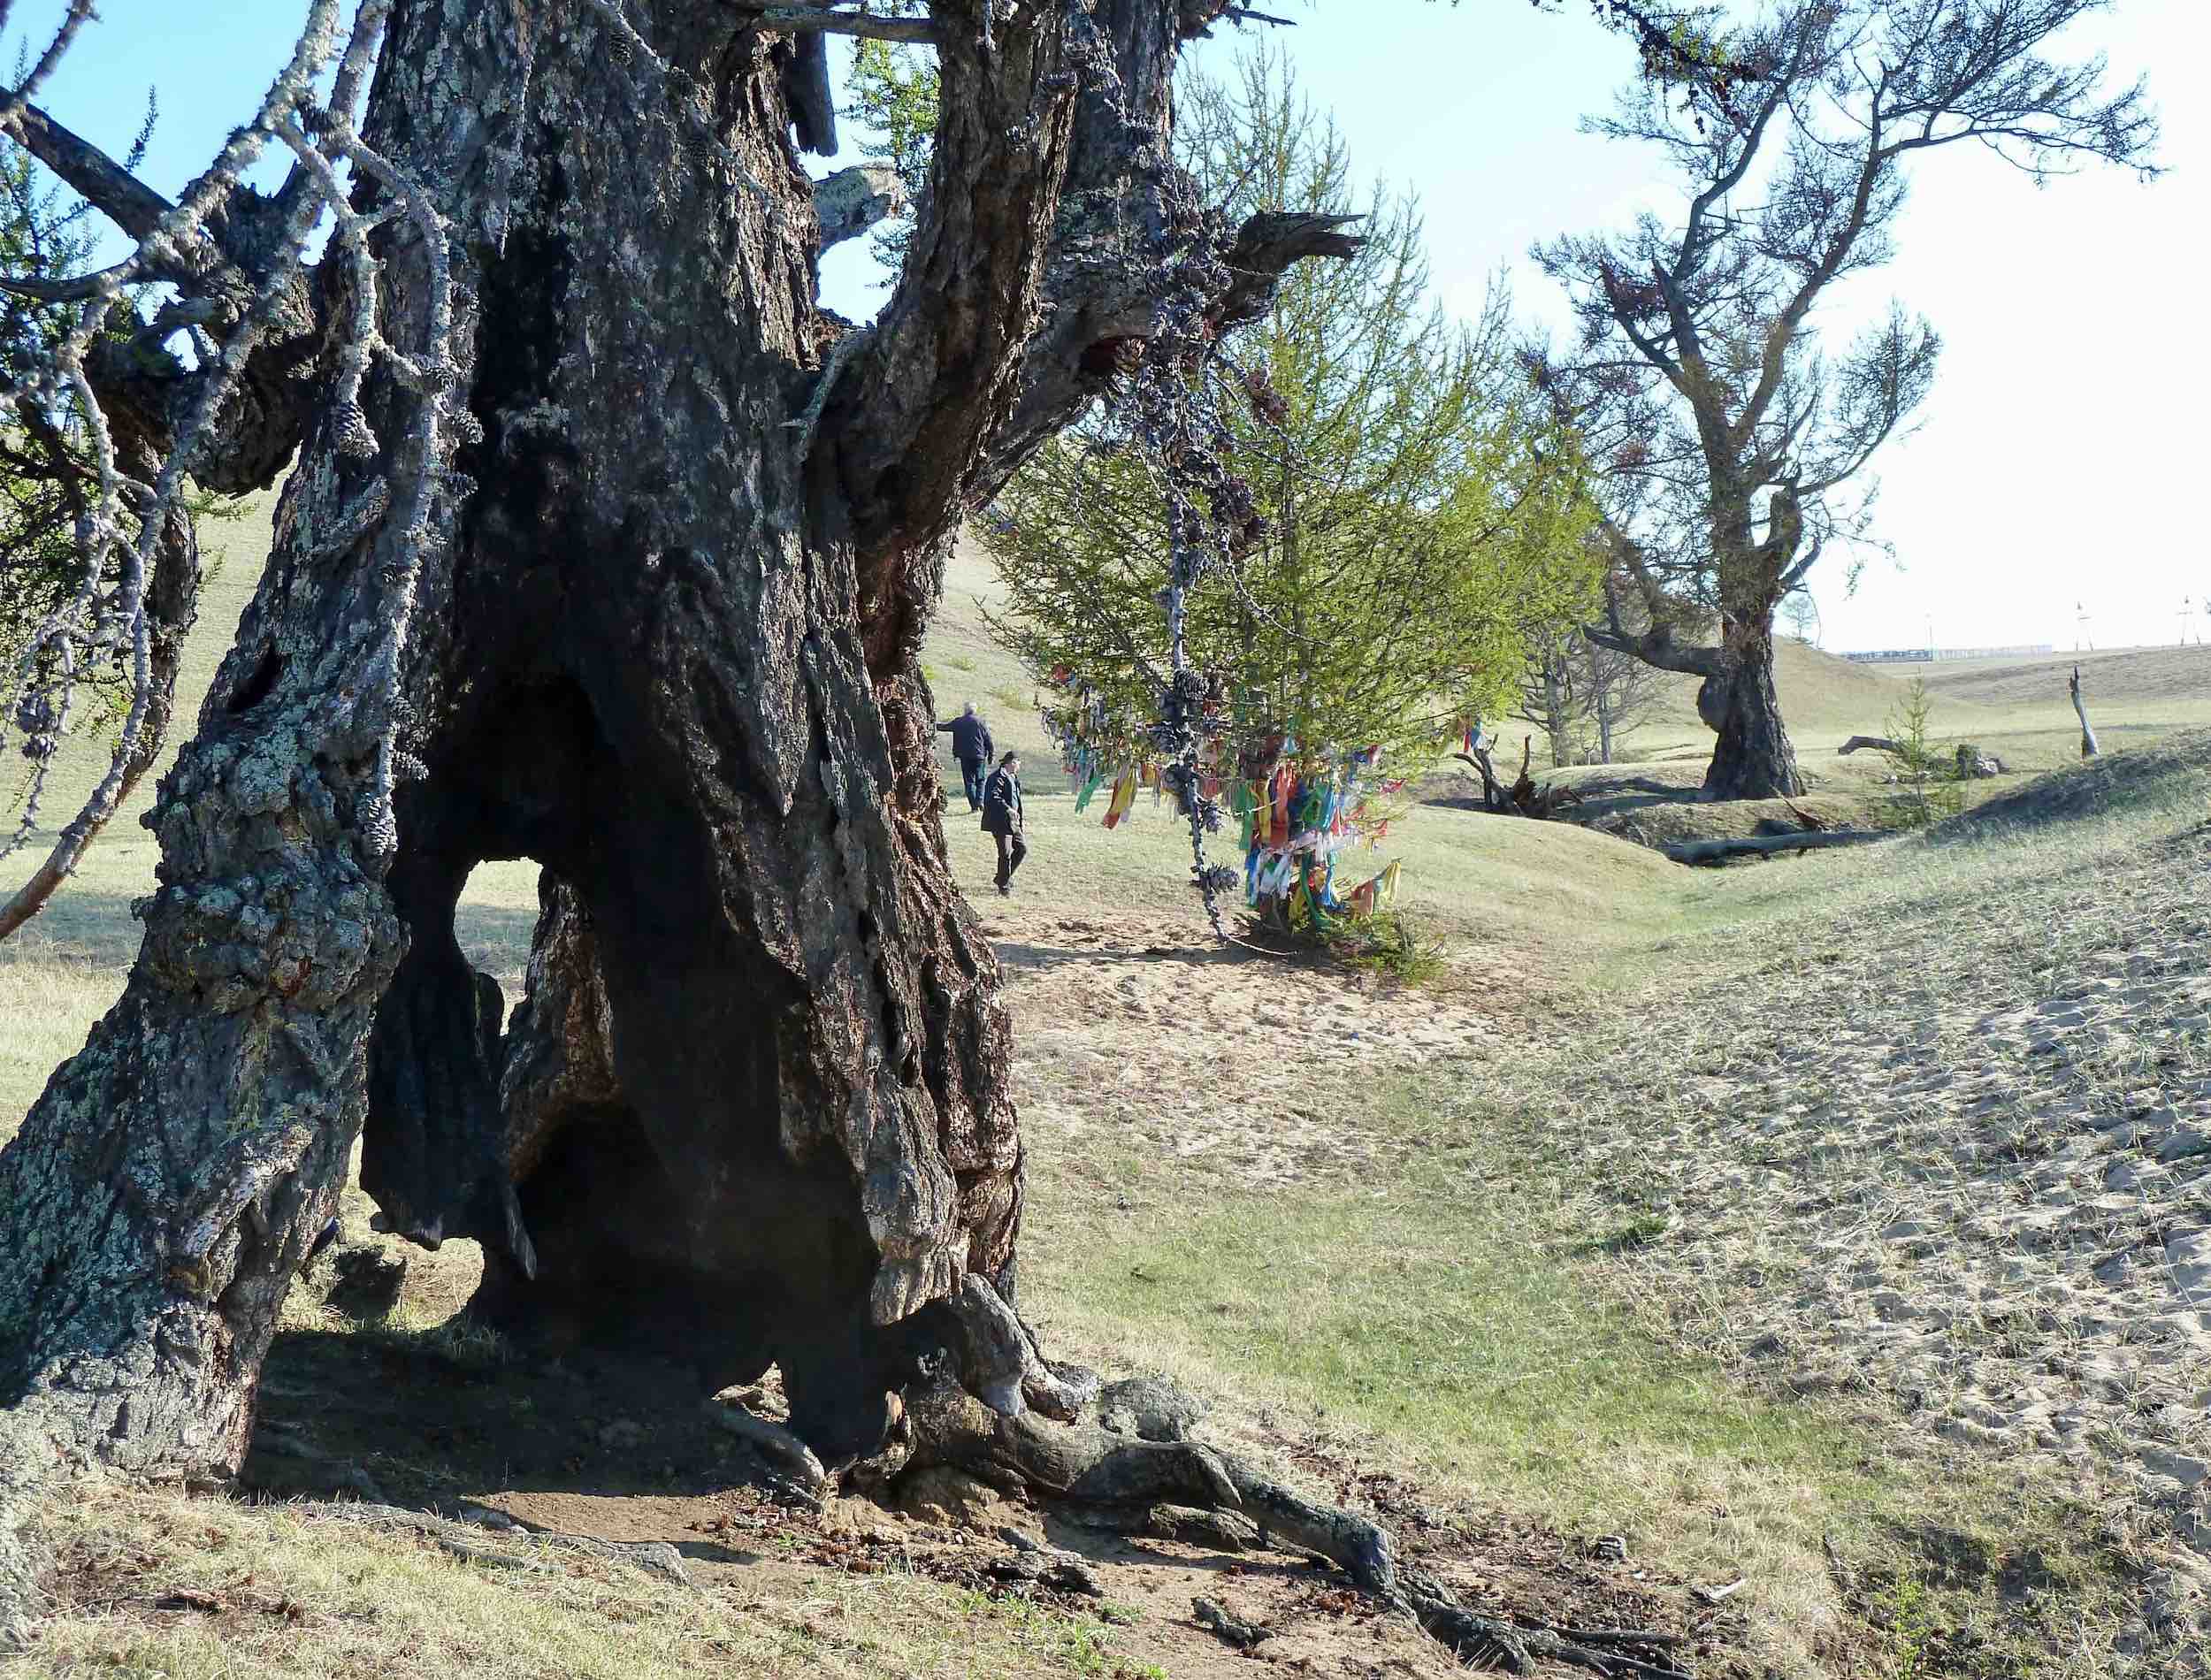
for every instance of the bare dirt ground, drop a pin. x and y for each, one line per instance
(1121, 1045)
(1231, 1061)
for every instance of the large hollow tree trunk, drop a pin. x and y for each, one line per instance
(1752, 758)
(662, 610)
(637, 659)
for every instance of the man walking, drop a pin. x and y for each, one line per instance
(1002, 819)
(972, 745)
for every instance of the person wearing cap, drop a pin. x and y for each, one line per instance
(1002, 819)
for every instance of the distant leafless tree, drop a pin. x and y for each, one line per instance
(1730, 448)
(1801, 614)
(1585, 696)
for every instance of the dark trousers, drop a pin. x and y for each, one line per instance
(1011, 850)
(971, 778)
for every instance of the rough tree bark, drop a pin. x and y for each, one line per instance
(1752, 758)
(666, 605)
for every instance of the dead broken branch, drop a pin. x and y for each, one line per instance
(2087, 731)
(1523, 798)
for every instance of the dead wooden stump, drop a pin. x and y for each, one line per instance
(2087, 729)
(1523, 797)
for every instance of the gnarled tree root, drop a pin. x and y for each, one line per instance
(1184, 1490)
(788, 1456)
(653, 1557)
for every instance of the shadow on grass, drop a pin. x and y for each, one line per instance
(380, 1413)
(81, 925)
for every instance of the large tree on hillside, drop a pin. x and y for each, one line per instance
(602, 544)
(1728, 443)
(1415, 521)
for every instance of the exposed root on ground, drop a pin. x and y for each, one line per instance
(654, 1557)
(1158, 1482)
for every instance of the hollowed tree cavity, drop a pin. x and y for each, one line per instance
(662, 581)
(621, 1150)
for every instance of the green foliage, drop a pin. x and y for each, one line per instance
(39, 568)
(1925, 781)
(1906, 1612)
(1419, 518)
(1388, 944)
(44, 462)
(894, 95)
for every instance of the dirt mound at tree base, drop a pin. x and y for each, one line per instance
(1663, 822)
(605, 1451)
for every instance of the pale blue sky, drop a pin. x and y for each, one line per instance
(2066, 422)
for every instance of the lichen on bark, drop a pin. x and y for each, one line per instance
(647, 610)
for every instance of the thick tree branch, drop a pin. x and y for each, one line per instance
(1265, 249)
(849, 203)
(90, 172)
(1656, 646)
(936, 372)
(830, 19)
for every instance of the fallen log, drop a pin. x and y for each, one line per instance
(1762, 845)
(1867, 744)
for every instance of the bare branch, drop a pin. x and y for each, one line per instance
(86, 170)
(823, 19)
(108, 612)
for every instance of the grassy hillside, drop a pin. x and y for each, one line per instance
(2019, 712)
(1812, 1225)
(2127, 676)
(1824, 699)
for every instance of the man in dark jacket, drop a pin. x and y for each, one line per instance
(1002, 818)
(972, 745)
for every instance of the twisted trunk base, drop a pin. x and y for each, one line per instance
(1754, 758)
(629, 578)
(632, 649)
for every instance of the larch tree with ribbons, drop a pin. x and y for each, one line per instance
(1415, 519)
